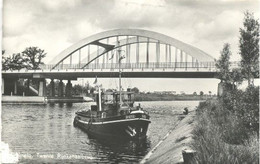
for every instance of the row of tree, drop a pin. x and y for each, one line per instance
(83, 90)
(249, 52)
(230, 124)
(30, 58)
(201, 93)
(243, 104)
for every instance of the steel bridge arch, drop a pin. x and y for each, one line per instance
(164, 39)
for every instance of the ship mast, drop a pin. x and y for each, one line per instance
(120, 87)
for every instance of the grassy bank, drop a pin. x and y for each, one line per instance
(226, 129)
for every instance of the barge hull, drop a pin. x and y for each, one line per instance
(129, 128)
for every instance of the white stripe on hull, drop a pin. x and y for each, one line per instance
(109, 122)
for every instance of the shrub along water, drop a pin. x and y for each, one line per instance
(227, 129)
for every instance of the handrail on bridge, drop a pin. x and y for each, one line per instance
(132, 65)
(151, 65)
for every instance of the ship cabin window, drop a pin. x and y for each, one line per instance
(113, 97)
(108, 98)
(127, 98)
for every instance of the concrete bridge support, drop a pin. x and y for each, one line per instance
(15, 87)
(27, 87)
(52, 92)
(9, 86)
(42, 87)
(60, 89)
(220, 89)
(68, 89)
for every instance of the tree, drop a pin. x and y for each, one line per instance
(236, 76)
(77, 89)
(223, 64)
(201, 93)
(5, 61)
(135, 90)
(15, 62)
(30, 58)
(33, 57)
(249, 47)
(194, 93)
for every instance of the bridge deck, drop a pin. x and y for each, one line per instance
(109, 70)
(109, 73)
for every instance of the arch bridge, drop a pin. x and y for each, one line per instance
(146, 54)
(142, 49)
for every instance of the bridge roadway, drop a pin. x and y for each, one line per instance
(73, 74)
(142, 70)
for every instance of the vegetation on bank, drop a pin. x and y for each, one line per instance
(169, 97)
(227, 129)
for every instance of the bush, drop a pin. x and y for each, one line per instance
(248, 108)
(226, 130)
(244, 105)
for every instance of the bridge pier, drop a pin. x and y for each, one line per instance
(9, 86)
(15, 87)
(220, 89)
(68, 89)
(60, 89)
(42, 87)
(52, 92)
(27, 87)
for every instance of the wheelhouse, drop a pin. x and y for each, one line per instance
(113, 98)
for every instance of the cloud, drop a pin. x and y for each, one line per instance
(15, 19)
(54, 25)
(60, 4)
(225, 24)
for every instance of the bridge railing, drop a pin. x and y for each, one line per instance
(189, 66)
(151, 65)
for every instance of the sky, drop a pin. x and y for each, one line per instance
(55, 25)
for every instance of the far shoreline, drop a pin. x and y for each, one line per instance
(171, 97)
(168, 100)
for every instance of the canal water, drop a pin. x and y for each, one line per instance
(45, 133)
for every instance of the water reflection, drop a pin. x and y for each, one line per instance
(120, 150)
(48, 129)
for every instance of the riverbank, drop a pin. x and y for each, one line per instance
(23, 99)
(42, 100)
(170, 97)
(220, 136)
(68, 99)
(214, 134)
(179, 138)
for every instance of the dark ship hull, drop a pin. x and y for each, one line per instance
(132, 126)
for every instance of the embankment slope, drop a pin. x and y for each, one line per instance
(170, 148)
